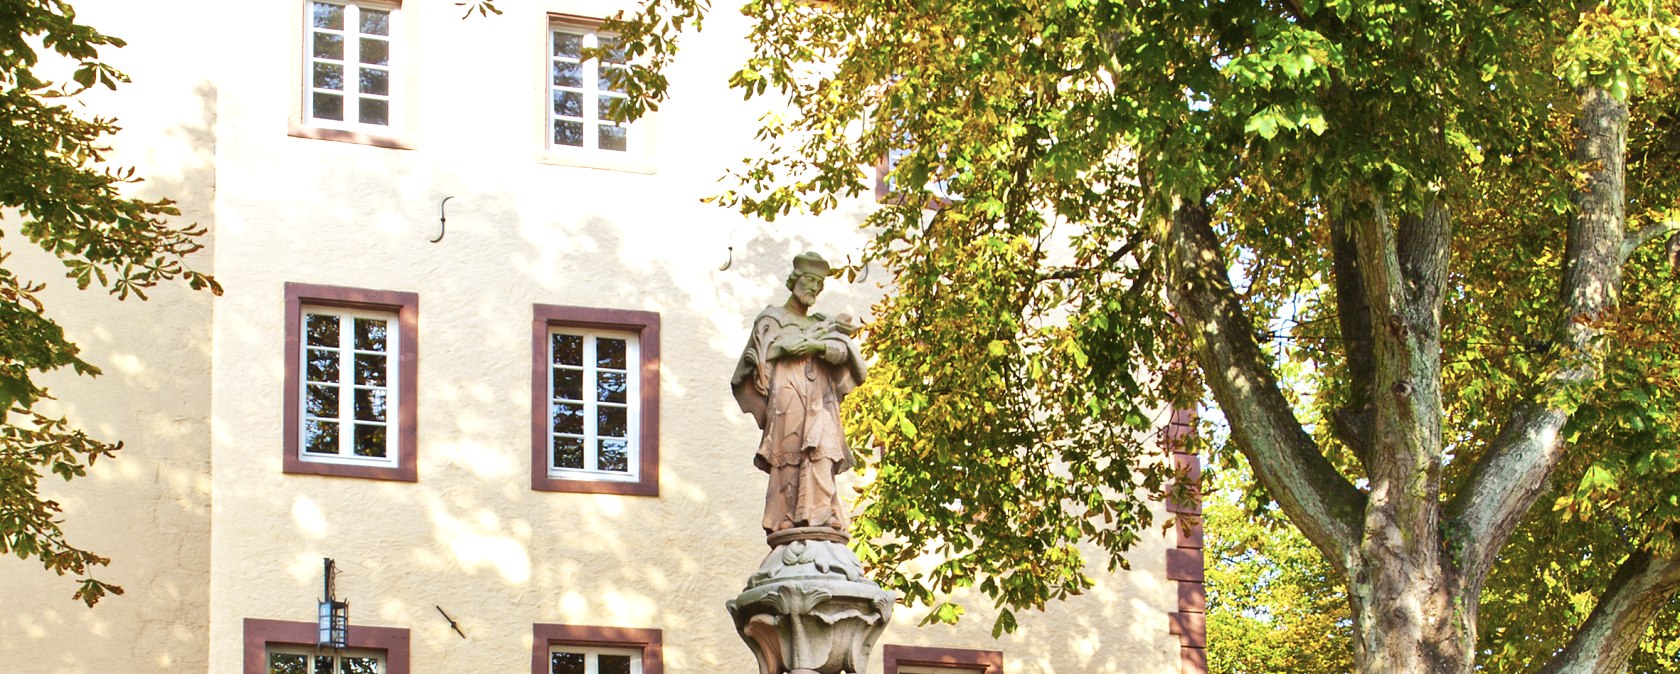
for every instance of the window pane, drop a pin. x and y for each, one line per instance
(322, 365)
(374, 111)
(568, 452)
(329, 16)
(568, 103)
(370, 440)
(323, 664)
(568, 133)
(610, 387)
(370, 404)
(329, 46)
(568, 384)
(288, 663)
(376, 22)
(321, 401)
(370, 369)
(370, 334)
(568, 350)
(613, 138)
(614, 456)
(611, 420)
(603, 107)
(568, 418)
(609, 353)
(322, 330)
(375, 81)
(329, 76)
(613, 47)
(320, 437)
(605, 83)
(329, 106)
(568, 74)
(375, 52)
(567, 44)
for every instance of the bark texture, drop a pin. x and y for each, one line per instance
(1415, 564)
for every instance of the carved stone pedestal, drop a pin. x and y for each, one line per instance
(809, 609)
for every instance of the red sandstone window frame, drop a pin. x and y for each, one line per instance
(956, 659)
(645, 325)
(406, 306)
(260, 634)
(545, 636)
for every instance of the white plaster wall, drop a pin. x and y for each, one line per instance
(149, 508)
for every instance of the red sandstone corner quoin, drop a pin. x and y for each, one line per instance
(407, 307)
(1185, 564)
(547, 635)
(259, 634)
(646, 325)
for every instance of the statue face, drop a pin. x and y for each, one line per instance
(806, 288)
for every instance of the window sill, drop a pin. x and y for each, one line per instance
(643, 487)
(605, 160)
(394, 142)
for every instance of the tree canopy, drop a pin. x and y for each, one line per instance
(1411, 250)
(57, 192)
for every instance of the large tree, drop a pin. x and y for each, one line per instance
(1391, 239)
(57, 192)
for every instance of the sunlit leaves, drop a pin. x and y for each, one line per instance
(58, 193)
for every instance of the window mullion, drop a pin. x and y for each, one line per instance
(346, 383)
(591, 461)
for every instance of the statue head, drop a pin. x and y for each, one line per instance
(806, 281)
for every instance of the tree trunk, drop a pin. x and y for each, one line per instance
(1407, 619)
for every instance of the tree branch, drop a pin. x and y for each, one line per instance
(1510, 475)
(1639, 590)
(1648, 234)
(1322, 503)
(1352, 422)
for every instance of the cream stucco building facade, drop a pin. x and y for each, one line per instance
(221, 508)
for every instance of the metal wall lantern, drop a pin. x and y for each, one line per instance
(333, 619)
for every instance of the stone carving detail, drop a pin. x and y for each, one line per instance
(809, 608)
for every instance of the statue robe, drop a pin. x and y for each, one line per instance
(796, 401)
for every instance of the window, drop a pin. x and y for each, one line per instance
(580, 94)
(574, 649)
(300, 660)
(921, 660)
(355, 86)
(350, 361)
(285, 647)
(349, 64)
(579, 660)
(595, 400)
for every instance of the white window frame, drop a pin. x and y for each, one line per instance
(350, 63)
(312, 653)
(347, 386)
(590, 89)
(591, 432)
(591, 655)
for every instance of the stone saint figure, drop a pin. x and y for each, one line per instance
(797, 367)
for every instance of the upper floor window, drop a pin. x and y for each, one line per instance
(595, 400)
(349, 82)
(581, 91)
(350, 382)
(302, 660)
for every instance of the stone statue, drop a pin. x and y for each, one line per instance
(809, 608)
(794, 372)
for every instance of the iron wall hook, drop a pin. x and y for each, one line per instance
(443, 219)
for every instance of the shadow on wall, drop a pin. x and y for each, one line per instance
(149, 509)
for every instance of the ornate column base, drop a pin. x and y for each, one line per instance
(809, 609)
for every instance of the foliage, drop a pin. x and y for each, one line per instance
(1274, 605)
(56, 189)
(1393, 233)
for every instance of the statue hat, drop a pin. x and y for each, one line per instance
(809, 262)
